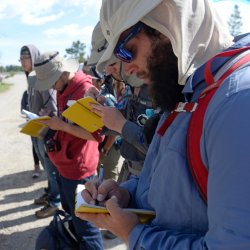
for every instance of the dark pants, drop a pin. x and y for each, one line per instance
(90, 236)
(35, 157)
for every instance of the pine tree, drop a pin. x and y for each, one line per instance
(77, 51)
(235, 22)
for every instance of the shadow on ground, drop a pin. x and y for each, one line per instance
(17, 209)
(19, 180)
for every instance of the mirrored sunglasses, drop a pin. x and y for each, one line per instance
(120, 51)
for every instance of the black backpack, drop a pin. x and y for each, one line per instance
(57, 235)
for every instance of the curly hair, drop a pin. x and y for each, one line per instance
(163, 71)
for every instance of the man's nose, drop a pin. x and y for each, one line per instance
(130, 68)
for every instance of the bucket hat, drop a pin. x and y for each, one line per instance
(99, 45)
(49, 67)
(117, 16)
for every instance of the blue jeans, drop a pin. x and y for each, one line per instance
(39, 148)
(90, 236)
(51, 171)
(53, 188)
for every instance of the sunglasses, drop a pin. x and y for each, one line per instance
(120, 51)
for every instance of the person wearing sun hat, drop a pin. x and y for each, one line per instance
(171, 44)
(98, 46)
(75, 152)
(133, 147)
(109, 154)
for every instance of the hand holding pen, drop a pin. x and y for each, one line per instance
(101, 175)
(99, 198)
(98, 192)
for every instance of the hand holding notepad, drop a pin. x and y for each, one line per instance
(81, 206)
(80, 113)
(34, 127)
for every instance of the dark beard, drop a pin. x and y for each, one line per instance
(163, 67)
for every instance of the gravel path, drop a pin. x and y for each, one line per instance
(18, 224)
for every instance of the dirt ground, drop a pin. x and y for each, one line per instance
(18, 225)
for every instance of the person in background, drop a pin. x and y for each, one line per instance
(85, 67)
(75, 150)
(41, 103)
(110, 156)
(168, 44)
(132, 102)
(109, 151)
(133, 144)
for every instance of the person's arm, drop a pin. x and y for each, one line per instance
(112, 118)
(24, 101)
(80, 132)
(56, 123)
(104, 150)
(134, 135)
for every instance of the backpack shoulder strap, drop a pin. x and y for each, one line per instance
(197, 167)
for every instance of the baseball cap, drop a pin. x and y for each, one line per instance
(25, 51)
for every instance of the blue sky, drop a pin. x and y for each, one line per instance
(55, 24)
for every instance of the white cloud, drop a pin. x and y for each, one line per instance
(62, 38)
(85, 5)
(69, 31)
(40, 12)
(12, 8)
(40, 20)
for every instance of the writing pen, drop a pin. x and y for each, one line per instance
(101, 175)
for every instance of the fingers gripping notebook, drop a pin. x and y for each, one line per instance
(81, 206)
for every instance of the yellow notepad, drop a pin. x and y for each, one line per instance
(33, 127)
(81, 114)
(82, 206)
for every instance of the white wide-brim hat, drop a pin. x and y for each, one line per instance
(49, 67)
(117, 16)
(99, 44)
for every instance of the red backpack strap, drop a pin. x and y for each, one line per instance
(197, 167)
(180, 107)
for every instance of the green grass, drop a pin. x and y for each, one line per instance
(4, 86)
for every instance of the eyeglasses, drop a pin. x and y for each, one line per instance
(120, 51)
(22, 58)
